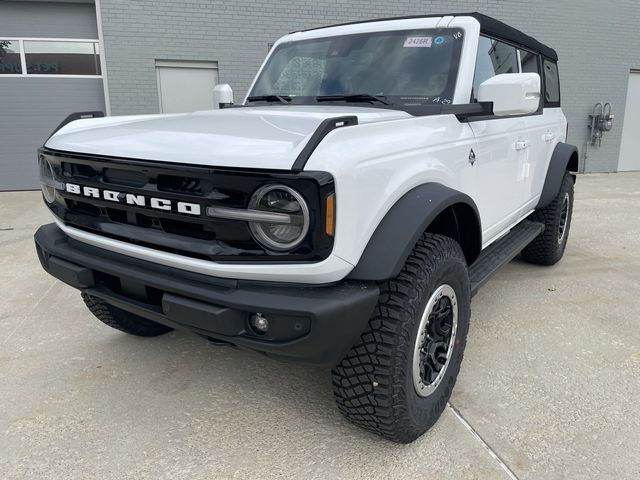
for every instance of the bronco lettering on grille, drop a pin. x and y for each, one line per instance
(134, 199)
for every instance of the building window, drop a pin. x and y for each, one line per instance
(49, 57)
(61, 58)
(10, 62)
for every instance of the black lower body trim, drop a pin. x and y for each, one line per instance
(502, 251)
(308, 324)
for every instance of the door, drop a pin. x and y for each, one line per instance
(546, 129)
(630, 146)
(502, 148)
(186, 86)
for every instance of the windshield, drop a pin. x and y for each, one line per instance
(401, 68)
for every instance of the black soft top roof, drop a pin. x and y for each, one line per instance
(488, 25)
(495, 28)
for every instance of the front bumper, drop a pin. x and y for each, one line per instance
(309, 324)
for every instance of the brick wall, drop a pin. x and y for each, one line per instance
(597, 42)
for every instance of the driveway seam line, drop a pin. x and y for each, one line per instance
(487, 447)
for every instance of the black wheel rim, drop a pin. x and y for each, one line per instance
(564, 218)
(435, 340)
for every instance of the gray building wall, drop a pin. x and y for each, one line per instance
(31, 107)
(598, 43)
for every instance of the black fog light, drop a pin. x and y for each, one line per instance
(259, 323)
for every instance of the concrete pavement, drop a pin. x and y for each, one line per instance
(550, 383)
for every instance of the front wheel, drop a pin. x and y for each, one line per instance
(397, 379)
(549, 247)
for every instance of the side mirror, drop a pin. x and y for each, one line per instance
(222, 96)
(511, 93)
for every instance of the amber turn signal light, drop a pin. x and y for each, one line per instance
(330, 216)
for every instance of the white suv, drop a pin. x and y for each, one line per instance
(344, 214)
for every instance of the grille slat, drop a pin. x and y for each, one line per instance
(126, 178)
(188, 185)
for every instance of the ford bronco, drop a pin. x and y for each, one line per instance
(375, 176)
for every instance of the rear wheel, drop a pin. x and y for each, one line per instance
(123, 320)
(549, 247)
(397, 379)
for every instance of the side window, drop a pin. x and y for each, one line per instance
(529, 62)
(551, 84)
(493, 58)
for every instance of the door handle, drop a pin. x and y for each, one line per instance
(548, 137)
(521, 144)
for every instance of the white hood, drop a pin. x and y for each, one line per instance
(268, 137)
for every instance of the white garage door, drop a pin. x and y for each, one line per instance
(630, 146)
(186, 86)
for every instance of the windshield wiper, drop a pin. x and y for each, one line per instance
(354, 97)
(270, 98)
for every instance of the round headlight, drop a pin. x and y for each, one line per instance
(286, 232)
(47, 180)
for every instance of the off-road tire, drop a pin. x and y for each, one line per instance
(547, 249)
(373, 384)
(124, 321)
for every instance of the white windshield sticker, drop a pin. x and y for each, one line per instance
(424, 42)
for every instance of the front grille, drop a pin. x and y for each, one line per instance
(172, 231)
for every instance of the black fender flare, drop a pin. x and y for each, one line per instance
(564, 158)
(400, 229)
